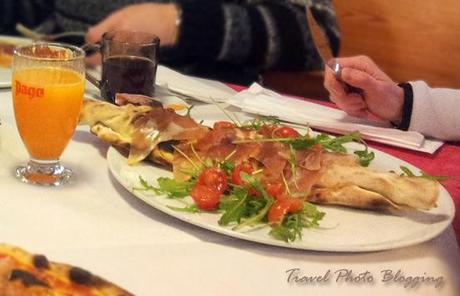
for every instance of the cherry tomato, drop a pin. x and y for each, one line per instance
(295, 204)
(206, 198)
(286, 132)
(214, 178)
(277, 211)
(223, 124)
(282, 196)
(282, 206)
(274, 188)
(242, 167)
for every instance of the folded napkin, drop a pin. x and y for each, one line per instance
(170, 82)
(259, 100)
(199, 89)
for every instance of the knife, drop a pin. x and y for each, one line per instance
(324, 50)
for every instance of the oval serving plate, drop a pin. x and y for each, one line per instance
(341, 230)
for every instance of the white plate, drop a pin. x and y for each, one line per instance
(5, 78)
(342, 229)
(5, 73)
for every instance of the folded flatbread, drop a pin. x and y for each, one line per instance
(322, 177)
(137, 128)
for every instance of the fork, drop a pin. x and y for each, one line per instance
(27, 32)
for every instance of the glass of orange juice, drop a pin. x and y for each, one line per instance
(47, 86)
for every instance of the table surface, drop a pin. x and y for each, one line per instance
(94, 223)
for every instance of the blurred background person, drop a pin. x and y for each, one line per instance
(411, 106)
(228, 40)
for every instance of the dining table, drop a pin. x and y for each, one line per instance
(95, 223)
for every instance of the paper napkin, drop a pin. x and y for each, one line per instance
(199, 89)
(258, 100)
(170, 82)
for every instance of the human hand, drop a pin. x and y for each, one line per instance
(380, 95)
(158, 19)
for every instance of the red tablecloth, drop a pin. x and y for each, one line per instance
(444, 162)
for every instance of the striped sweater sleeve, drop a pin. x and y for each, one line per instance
(267, 34)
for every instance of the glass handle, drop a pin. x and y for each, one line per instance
(90, 49)
(93, 80)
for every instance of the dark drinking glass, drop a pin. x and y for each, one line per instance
(127, 74)
(129, 63)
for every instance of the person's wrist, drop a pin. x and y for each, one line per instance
(406, 109)
(397, 103)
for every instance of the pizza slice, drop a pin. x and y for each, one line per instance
(22, 273)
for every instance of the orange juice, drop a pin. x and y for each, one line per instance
(47, 104)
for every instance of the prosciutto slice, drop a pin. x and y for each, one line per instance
(138, 128)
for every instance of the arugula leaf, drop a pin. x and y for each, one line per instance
(227, 166)
(189, 109)
(335, 144)
(145, 185)
(293, 224)
(168, 186)
(255, 205)
(234, 206)
(365, 157)
(173, 188)
(281, 232)
(258, 122)
(259, 216)
(407, 172)
(312, 212)
(187, 209)
(239, 206)
(299, 143)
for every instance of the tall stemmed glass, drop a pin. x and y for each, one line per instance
(48, 85)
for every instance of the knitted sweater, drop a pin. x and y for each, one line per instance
(231, 40)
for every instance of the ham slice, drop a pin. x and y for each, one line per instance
(138, 128)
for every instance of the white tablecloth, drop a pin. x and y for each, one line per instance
(95, 224)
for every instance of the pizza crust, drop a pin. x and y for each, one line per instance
(6, 54)
(406, 191)
(351, 196)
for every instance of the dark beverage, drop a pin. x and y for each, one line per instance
(127, 74)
